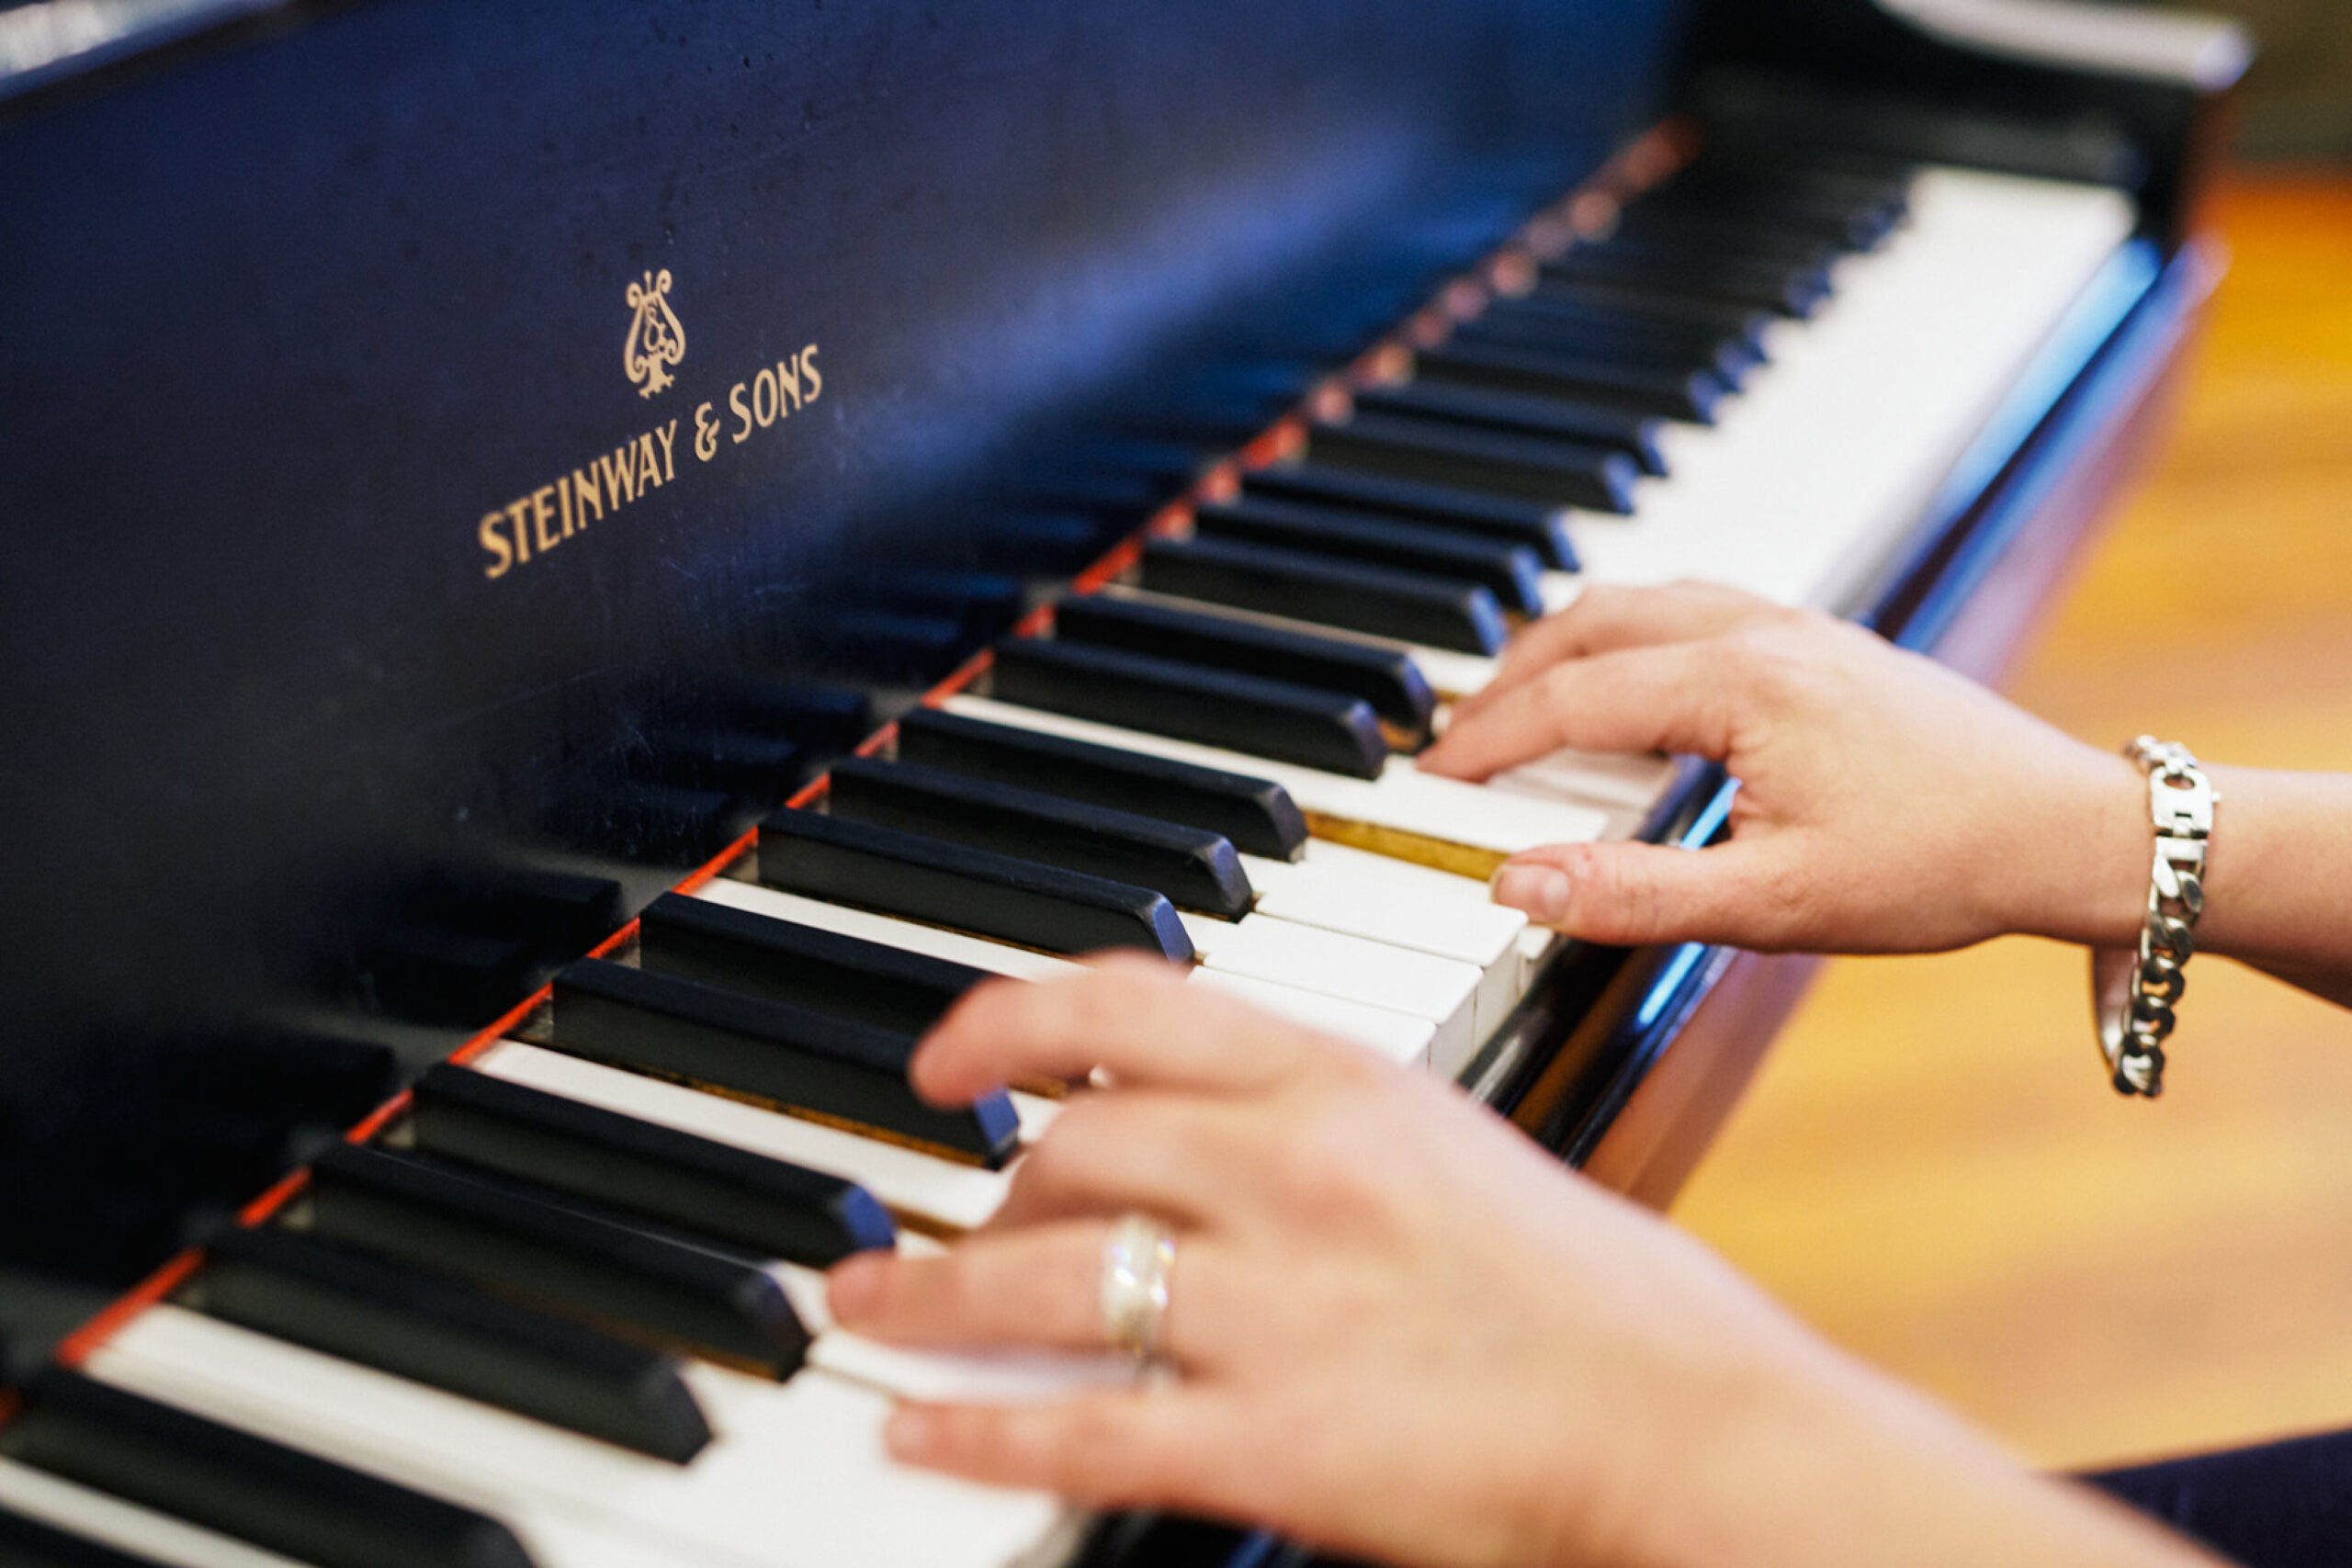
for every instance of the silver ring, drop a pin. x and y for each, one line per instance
(1137, 1257)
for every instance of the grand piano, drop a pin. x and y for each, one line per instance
(578, 571)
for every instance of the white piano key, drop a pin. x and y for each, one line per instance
(1380, 1028)
(795, 1476)
(802, 1466)
(553, 1540)
(1034, 1113)
(530, 1477)
(916, 1186)
(1400, 1037)
(1403, 799)
(966, 1377)
(1448, 670)
(1452, 673)
(1438, 989)
(1348, 863)
(1538, 946)
(1409, 983)
(127, 1526)
(1629, 782)
(1556, 590)
(907, 936)
(1817, 471)
(1338, 896)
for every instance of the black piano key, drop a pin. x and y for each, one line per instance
(1171, 1541)
(1849, 224)
(438, 976)
(851, 638)
(235, 1484)
(1648, 342)
(1749, 235)
(696, 938)
(1851, 175)
(1258, 815)
(940, 884)
(1314, 728)
(748, 766)
(28, 1543)
(1512, 573)
(320, 1080)
(1408, 445)
(414, 1326)
(1193, 869)
(1750, 327)
(1411, 607)
(1540, 528)
(1860, 200)
(560, 913)
(982, 603)
(659, 823)
(769, 1206)
(1385, 677)
(831, 1068)
(1692, 397)
(1787, 291)
(1525, 414)
(512, 1243)
(821, 717)
(1613, 320)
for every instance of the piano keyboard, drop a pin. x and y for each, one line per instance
(566, 1308)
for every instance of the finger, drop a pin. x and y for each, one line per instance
(1629, 895)
(1180, 1156)
(1035, 1286)
(1038, 1287)
(1668, 698)
(1607, 618)
(1149, 1449)
(1133, 1017)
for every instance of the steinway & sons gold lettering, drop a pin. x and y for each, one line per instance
(526, 528)
(533, 525)
(772, 394)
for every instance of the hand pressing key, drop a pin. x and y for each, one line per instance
(1886, 804)
(1399, 1330)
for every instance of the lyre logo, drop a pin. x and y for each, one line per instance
(655, 339)
(607, 488)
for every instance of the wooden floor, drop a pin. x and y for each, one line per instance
(1929, 1167)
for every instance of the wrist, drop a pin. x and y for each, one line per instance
(1832, 1465)
(1771, 1450)
(1738, 1444)
(2082, 852)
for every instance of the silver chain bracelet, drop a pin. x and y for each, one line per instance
(2134, 994)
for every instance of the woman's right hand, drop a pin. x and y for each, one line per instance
(1886, 804)
(1400, 1330)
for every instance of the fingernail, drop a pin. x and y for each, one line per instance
(855, 1284)
(1541, 890)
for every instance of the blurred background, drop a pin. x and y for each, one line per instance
(2298, 95)
(1929, 1167)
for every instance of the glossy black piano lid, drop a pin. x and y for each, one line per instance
(291, 313)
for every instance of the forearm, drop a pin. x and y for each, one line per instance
(2278, 876)
(1844, 1468)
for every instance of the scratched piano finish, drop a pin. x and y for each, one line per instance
(408, 411)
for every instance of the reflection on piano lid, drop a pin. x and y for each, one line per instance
(374, 666)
